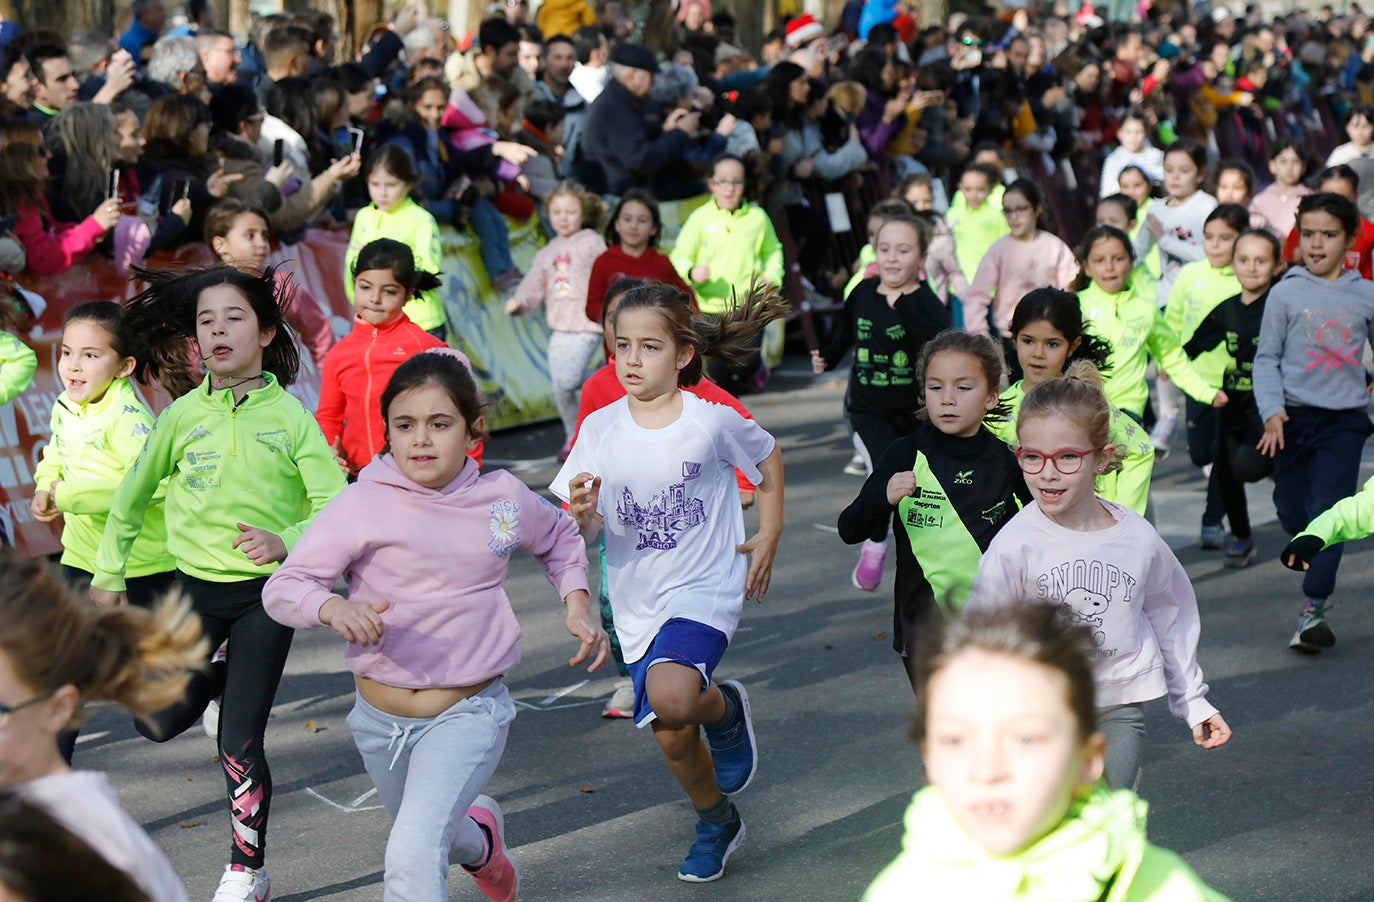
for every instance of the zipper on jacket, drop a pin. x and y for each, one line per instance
(367, 393)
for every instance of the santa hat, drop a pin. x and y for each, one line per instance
(802, 29)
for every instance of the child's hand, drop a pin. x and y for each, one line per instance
(1212, 733)
(1272, 441)
(1298, 554)
(586, 626)
(1153, 226)
(44, 506)
(514, 308)
(340, 457)
(746, 500)
(1221, 400)
(584, 491)
(106, 599)
(817, 362)
(357, 621)
(900, 486)
(700, 273)
(261, 546)
(761, 548)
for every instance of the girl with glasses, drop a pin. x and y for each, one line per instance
(1105, 567)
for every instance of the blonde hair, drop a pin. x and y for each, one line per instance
(1077, 398)
(847, 97)
(592, 207)
(140, 659)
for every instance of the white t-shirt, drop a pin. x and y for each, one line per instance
(84, 802)
(672, 516)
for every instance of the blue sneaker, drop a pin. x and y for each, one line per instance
(715, 843)
(733, 751)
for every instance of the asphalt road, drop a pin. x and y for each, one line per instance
(1281, 813)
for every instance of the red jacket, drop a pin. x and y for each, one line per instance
(602, 388)
(356, 371)
(614, 264)
(52, 247)
(1360, 257)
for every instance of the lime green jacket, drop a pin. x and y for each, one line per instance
(1198, 288)
(867, 255)
(1129, 486)
(737, 245)
(18, 363)
(410, 224)
(1348, 519)
(263, 463)
(1132, 323)
(974, 231)
(92, 447)
(1098, 853)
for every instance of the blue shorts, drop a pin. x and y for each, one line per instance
(680, 641)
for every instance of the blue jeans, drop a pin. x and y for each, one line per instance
(1318, 466)
(428, 771)
(492, 235)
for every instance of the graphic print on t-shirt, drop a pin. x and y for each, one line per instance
(1090, 593)
(668, 513)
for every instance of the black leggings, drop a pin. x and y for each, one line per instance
(248, 680)
(877, 432)
(143, 591)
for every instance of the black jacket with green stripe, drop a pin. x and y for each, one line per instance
(966, 490)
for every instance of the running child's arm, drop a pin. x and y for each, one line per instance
(552, 537)
(686, 248)
(874, 504)
(1001, 578)
(533, 287)
(763, 545)
(584, 493)
(1209, 333)
(1130, 487)
(18, 362)
(1267, 373)
(1174, 306)
(48, 471)
(130, 501)
(329, 413)
(93, 494)
(1348, 519)
(1164, 346)
(770, 255)
(841, 340)
(319, 474)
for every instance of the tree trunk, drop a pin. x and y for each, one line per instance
(66, 17)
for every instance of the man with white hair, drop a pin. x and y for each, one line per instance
(175, 64)
(427, 40)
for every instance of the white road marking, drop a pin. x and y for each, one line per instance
(826, 528)
(351, 808)
(562, 692)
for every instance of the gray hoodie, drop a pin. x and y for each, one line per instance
(1311, 344)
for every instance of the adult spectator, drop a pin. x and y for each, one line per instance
(555, 86)
(564, 16)
(285, 54)
(252, 66)
(517, 12)
(496, 56)
(20, 83)
(89, 52)
(56, 87)
(175, 65)
(149, 17)
(531, 49)
(620, 147)
(177, 158)
(427, 40)
(219, 56)
(104, 70)
(590, 74)
(675, 88)
(324, 38)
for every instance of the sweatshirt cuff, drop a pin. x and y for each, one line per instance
(109, 582)
(1197, 710)
(570, 580)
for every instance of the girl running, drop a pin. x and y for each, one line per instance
(1120, 211)
(425, 541)
(947, 487)
(1141, 188)
(1105, 567)
(1277, 204)
(1134, 149)
(1175, 226)
(1049, 333)
(655, 472)
(632, 238)
(246, 470)
(888, 320)
(59, 653)
(559, 278)
(974, 220)
(1006, 725)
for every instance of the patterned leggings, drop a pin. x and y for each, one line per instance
(570, 353)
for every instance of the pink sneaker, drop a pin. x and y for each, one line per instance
(497, 879)
(868, 574)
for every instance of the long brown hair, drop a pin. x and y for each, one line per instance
(20, 144)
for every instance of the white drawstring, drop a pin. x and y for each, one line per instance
(404, 736)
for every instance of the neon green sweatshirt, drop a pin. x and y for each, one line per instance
(975, 231)
(1098, 853)
(18, 363)
(410, 224)
(867, 255)
(738, 245)
(263, 463)
(92, 447)
(1348, 519)
(1198, 288)
(1134, 326)
(1129, 486)
(1151, 263)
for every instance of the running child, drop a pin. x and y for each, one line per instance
(1342, 180)
(558, 277)
(1199, 288)
(59, 653)
(1133, 149)
(1049, 334)
(1106, 568)
(1234, 325)
(946, 488)
(866, 266)
(976, 222)
(241, 237)
(1005, 720)
(655, 473)
(393, 213)
(1175, 226)
(246, 469)
(1310, 390)
(360, 365)
(1120, 211)
(1140, 188)
(425, 541)
(18, 361)
(1278, 202)
(887, 320)
(942, 271)
(632, 238)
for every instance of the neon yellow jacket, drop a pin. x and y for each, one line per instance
(1134, 326)
(18, 363)
(974, 231)
(92, 447)
(410, 224)
(737, 245)
(1198, 288)
(1348, 519)
(1129, 486)
(867, 255)
(263, 463)
(1098, 853)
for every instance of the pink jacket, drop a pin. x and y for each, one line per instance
(440, 557)
(943, 274)
(1009, 271)
(50, 246)
(559, 277)
(1279, 210)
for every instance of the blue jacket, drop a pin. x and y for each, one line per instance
(623, 142)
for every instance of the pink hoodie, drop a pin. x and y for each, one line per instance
(440, 557)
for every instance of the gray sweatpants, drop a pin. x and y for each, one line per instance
(570, 353)
(1124, 727)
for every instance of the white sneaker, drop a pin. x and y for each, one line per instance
(622, 702)
(211, 719)
(241, 884)
(856, 466)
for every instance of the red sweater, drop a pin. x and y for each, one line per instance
(615, 264)
(356, 371)
(52, 247)
(602, 388)
(1360, 257)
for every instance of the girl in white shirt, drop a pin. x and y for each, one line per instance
(1106, 568)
